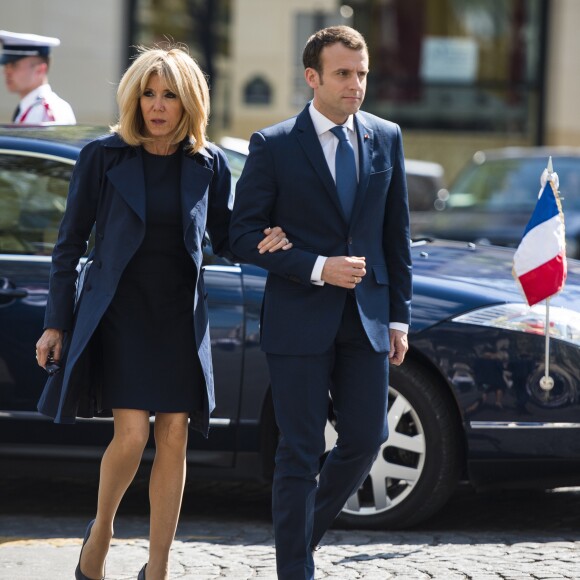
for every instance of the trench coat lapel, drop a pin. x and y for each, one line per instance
(195, 179)
(129, 180)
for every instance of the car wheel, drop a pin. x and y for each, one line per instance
(418, 467)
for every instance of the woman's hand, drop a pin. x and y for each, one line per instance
(275, 240)
(49, 345)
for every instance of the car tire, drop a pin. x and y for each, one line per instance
(421, 462)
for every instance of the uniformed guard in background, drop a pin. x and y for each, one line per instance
(26, 61)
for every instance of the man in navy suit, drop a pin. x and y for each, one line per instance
(337, 305)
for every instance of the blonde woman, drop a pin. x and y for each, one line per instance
(137, 344)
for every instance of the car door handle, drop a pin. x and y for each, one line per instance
(8, 290)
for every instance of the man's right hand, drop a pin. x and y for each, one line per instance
(344, 271)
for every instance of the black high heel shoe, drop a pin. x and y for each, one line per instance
(142, 573)
(78, 574)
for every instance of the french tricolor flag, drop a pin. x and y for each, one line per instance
(540, 260)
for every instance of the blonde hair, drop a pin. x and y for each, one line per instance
(183, 77)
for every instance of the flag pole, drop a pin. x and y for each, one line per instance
(542, 275)
(547, 382)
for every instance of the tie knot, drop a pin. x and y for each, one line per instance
(340, 132)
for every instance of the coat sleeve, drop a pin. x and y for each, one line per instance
(396, 239)
(255, 199)
(219, 214)
(74, 232)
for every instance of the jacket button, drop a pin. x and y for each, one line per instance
(88, 287)
(349, 241)
(99, 264)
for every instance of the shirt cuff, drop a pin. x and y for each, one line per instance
(400, 326)
(316, 276)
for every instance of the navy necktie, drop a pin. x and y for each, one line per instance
(16, 113)
(345, 166)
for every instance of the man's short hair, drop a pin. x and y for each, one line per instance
(349, 37)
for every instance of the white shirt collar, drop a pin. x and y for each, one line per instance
(38, 93)
(323, 124)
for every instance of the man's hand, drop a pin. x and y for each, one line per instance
(399, 346)
(275, 240)
(344, 271)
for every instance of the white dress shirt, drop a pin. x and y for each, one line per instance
(329, 143)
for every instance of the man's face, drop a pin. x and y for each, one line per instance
(24, 75)
(340, 89)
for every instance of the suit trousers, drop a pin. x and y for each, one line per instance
(356, 378)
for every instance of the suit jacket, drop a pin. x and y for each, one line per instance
(107, 192)
(286, 181)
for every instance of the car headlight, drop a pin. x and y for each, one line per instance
(564, 323)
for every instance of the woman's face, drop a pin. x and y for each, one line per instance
(161, 109)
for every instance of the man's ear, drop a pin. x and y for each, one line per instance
(312, 78)
(42, 68)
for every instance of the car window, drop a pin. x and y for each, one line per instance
(236, 161)
(422, 191)
(513, 184)
(33, 192)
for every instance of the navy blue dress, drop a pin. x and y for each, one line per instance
(150, 358)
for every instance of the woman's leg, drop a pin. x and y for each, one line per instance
(166, 489)
(118, 467)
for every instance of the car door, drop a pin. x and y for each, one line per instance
(33, 189)
(223, 283)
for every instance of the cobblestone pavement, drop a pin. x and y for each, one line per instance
(225, 532)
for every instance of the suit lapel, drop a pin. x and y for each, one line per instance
(128, 178)
(365, 155)
(310, 143)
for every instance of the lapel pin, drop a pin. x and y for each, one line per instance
(366, 135)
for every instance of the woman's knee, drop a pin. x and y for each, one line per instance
(131, 429)
(171, 430)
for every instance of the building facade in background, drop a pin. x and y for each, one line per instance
(457, 75)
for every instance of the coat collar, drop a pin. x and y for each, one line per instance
(115, 140)
(129, 179)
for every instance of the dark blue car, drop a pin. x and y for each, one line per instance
(466, 404)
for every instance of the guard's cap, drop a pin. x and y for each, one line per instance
(17, 45)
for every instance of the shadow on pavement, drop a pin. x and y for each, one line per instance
(540, 511)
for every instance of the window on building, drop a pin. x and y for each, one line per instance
(306, 24)
(455, 64)
(204, 26)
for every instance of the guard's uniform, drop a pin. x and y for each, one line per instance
(38, 104)
(44, 106)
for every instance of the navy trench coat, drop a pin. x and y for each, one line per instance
(107, 193)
